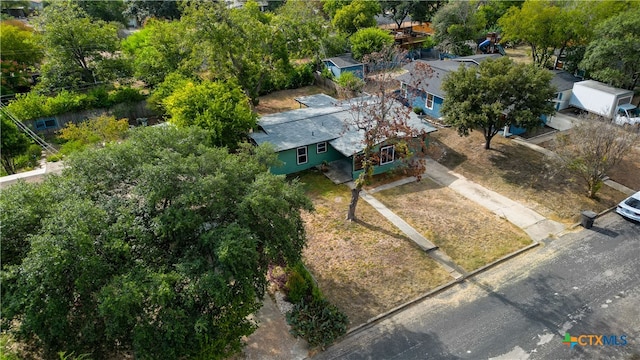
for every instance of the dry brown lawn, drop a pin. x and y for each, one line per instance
(284, 100)
(627, 172)
(471, 235)
(519, 173)
(366, 267)
(520, 54)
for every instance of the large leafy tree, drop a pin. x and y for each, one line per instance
(240, 44)
(303, 27)
(19, 43)
(14, 143)
(78, 49)
(397, 10)
(157, 50)
(156, 247)
(220, 107)
(104, 10)
(142, 10)
(492, 10)
(612, 57)
(495, 94)
(454, 24)
(356, 15)
(369, 40)
(330, 7)
(543, 25)
(20, 52)
(580, 25)
(424, 11)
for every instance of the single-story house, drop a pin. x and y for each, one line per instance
(308, 137)
(563, 82)
(430, 96)
(344, 63)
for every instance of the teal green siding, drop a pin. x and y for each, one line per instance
(379, 169)
(290, 161)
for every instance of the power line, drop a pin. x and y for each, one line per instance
(45, 145)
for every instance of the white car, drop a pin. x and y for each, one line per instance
(630, 207)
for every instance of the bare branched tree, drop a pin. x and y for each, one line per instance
(592, 148)
(382, 120)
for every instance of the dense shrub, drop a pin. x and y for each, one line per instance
(125, 95)
(318, 322)
(313, 318)
(297, 288)
(30, 158)
(350, 82)
(300, 285)
(32, 105)
(297, 76)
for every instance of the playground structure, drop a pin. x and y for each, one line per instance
(491, 45)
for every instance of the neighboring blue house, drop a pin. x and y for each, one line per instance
(429, 96)
(344, 63)
(308, 137)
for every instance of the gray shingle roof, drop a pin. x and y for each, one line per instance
(563, 80)
(317, 100)
(343, 61)
(433, 84)
(295, 128)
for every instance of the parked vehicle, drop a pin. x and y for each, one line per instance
(601, 99)
(630, 207)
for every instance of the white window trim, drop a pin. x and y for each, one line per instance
(426, 101)
(393, 154)
(318, 148)
(306, 155)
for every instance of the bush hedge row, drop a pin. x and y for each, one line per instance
(312, 318)
(32, 105)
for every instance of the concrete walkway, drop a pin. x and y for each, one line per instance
(447, 263)
(535, 225)
(272, 339)
(33, 175)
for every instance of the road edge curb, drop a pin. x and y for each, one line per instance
(436, 290)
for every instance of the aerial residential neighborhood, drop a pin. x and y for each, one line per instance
(321, 179)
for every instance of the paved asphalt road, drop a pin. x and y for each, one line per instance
(586, 282)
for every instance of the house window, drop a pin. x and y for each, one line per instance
(358, 162)
(429, 101)
(46, 124)
(321, 147)
(559, 97)
(302, 155)
(387, 154)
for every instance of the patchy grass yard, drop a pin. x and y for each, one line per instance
(471, 235)
(519, 173)
(366, 267)
(284, 100)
